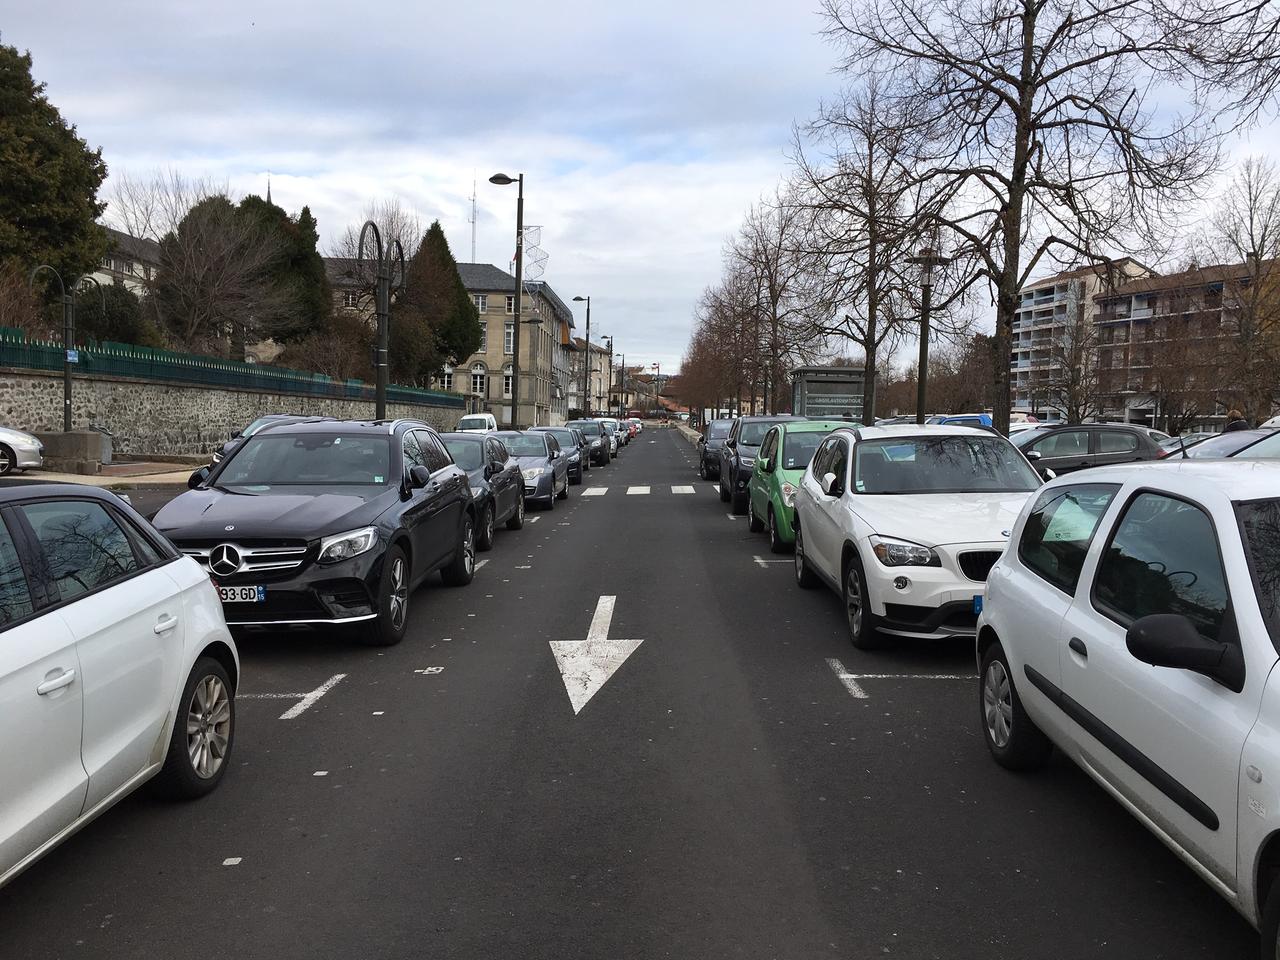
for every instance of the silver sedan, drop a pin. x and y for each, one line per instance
(19, 451)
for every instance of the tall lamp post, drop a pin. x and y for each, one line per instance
(926, 260)
(502, 180)
(657, 387)
(622, 383)
(608, 381)
(385, 265)
(586, 366)
(68, 330)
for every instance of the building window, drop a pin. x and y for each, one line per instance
(511, 303)
(481, 301)
(484, 337)
(509, 338)
(350, 299)
(506, 382)
(446, 377)
(128, 267)
(106, 263)
(479, 376)
(146, 271)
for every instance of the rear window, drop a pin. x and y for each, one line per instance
(1260, 527)
(798, 449)
(473, 423)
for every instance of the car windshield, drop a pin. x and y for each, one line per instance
(1260, 524)
(588, 428)
(798, 448)
(293, 459)
(526, 445)
(718, 429)
(465, 453)
(1266, 449)
(932, 464)
(473, 423)
(1223, 445)
(565, 437)
(257, 425)
(752, 433)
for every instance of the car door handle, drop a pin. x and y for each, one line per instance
(1076, 644)
(64, 679)
(165, 624)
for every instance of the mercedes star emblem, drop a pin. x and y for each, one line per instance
(229, 527)
(224, 560)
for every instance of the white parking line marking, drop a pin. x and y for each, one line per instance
(912, 676)
(637, 491)
(427, 670)
(481, 563)
(733, 516)
(682, 489)
(764, 564)
(533, 519)
(321, 773)
(595, 491)
(231, 861)
(305, 704)
(521, 568)
(847, 678)
(270, 696)
(378, 713)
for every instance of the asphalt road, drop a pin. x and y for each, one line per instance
(721, 795)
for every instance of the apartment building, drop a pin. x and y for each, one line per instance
(129, 260)
(598, 362)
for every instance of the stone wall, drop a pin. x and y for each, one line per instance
(155, 419)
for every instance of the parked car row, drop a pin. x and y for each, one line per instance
(1127, 614)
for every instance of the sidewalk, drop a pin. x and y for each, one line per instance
(113, 476)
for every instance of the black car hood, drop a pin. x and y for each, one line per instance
(285, 512)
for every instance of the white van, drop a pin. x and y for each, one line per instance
(477, 423)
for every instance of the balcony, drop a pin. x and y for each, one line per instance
(1141, 313)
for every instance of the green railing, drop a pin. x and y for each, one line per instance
(143, 363)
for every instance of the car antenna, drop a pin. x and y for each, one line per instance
(1182, 446)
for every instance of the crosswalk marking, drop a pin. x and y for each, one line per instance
(682, 489)
(641, 491)
(595, 491)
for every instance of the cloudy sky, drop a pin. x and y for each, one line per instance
(643, 131)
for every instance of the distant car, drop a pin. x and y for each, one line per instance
(621, 434)
(1222, 445)
(599, 448)
(117, 668)
(1133, 624)
(19, 451)
(497, 489)
(477, 423)
(611, 434)
(1063, 449)
(637, 423)
(271, 419)
(709, 445)
(786, 451)
(584, 447)
(905, 522)
(1174, 445)
(568, 441)
(738, 457)
(543, 464)
(961, 420)
(328, 523)
(1273, 423)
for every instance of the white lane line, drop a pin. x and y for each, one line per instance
(321, 773)
(847, 678)
(270, 696)
(733, 516)
(637, 491)
(912, 676)
(305, 704)
(529, 567)
(682, 489)
(378, 713)
(481, 563)
(533, 519)
(600, 620)
(764, 564)
(231, 861)
(595, 491)
(427, 670)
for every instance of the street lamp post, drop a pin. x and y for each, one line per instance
(657, 386)
(926, 259)
(608, 380)
(502, 180)
(385, 265)
(68, 330)
(586, 367)
(622, 383)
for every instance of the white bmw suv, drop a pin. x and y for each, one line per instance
(904, 522)
(1134, 623)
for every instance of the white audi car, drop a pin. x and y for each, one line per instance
(115, 666)
(1134, 623)
(904, 522)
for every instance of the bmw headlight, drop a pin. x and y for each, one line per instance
(789, 495)
(903, 553)
(533, 473)
(344, 546)
(748, 461)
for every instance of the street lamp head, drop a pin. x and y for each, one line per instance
(501, 179)
(926, 260)
(580, 299)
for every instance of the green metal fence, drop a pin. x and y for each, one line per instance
(144, 363)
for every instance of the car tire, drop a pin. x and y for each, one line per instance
(208, 704)
(703, 472)
(388, 628)
(738, 503)
(1014, 740)
(484, 539)
(754, 523)
(8, 460)
(1269, 922)
(776, 545)
(724, 493)
(863, 625)
(463, 565)
(516, 520)
(805, 578)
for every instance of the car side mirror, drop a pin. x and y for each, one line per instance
(489, 470)
(1171, 640)
(419, 476)
(198, 478)
(1034, 455)
(828, 484)
(555, 455)
(766, 465)
(1050, 474)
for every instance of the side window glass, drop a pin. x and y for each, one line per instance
(1065, 443)
(15, 595)
(86, 547)
(413, 453)
(839, 465)
(1059, 530)
(1164, 558)
(437, 457)
(1116, 441)
(819, 463)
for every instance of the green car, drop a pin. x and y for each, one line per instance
(784, 453)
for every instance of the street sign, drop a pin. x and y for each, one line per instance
(73, 356)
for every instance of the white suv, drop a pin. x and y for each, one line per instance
(905, 521)
(1134, 623)
(115, 666)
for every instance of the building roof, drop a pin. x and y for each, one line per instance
(135, 248)
(341, 271)
(1077, 272)
(558, 306)
(577, 343)
(1195, 277)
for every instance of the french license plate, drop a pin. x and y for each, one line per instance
(977, 604)
(242, 594)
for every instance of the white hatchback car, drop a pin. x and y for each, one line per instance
(1134, 622)
(905, 521)
(115, 666)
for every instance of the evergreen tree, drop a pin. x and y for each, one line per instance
(434, 321)
(298, 271)
(123, 322)
(49, 179)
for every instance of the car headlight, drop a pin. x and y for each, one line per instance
(595, 443)
(789, 495)
(344, 546)
(533, 473)
(903, 553)
(477, 492)
(748, 461)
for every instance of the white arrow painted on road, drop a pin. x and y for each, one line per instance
(586, 665)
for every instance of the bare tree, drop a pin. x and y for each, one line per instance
(1043, 121)
(395, 221)
(1072, 386)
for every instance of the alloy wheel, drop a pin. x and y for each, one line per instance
(997, 704)
(799, 557)
(469, 548)
(208, 727)
(853, 600)
(488, 525)
(6, 461)
(399, 593)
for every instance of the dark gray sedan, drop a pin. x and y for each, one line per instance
(567, 437)
(543, 464)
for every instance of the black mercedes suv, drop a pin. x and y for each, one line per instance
(326, 522)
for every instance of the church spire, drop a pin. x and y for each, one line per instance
(268, 186)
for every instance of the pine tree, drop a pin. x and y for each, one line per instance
(434, 321)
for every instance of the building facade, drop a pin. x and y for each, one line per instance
(131, 261)
(598, 362)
